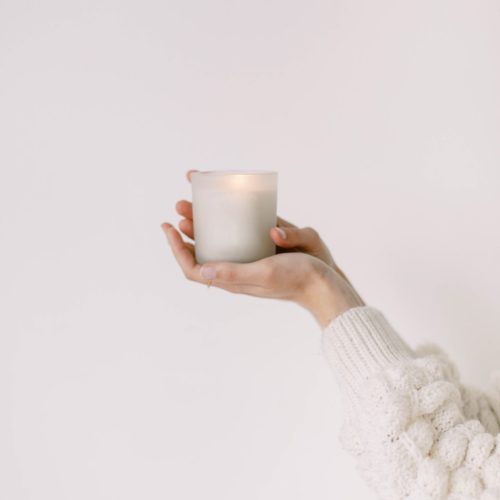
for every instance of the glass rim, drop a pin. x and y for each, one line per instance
(235, 172)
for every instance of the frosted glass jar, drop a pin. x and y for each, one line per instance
(233, 212)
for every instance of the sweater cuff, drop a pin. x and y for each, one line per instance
(360, 343)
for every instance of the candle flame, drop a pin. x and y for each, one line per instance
(240, 181)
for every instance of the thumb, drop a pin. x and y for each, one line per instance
(305, 238)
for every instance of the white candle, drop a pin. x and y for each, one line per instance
(233, 212)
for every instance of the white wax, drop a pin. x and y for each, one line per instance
(232, 215)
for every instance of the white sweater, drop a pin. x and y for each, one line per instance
(415, 430)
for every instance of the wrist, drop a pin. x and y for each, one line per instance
(329, 295)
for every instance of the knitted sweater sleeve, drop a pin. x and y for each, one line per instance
(416, 432)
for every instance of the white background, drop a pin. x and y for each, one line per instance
(119, 379)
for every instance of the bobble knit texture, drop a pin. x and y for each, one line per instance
(415, 430)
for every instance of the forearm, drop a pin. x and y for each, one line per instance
(359, 344)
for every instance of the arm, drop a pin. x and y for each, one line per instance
(415, 431)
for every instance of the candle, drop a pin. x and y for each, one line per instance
(233, 212)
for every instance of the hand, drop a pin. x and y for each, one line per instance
(287, 236)
(291, 274)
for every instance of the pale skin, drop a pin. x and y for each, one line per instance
(302, 271)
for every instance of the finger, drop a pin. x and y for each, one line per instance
(255, 291)
(167, 225)
(305, 238)
(186, 226)
(224, 274)
(189, 172)
(184, 208)
(190, 246)
(284, 223)
(183, 254)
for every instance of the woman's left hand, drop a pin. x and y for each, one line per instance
(293, 276)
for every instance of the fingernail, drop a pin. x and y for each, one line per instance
(281, 233)
(208, 272)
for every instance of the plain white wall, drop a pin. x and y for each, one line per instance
(121, 380)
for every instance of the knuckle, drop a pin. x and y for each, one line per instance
(227, 274)
(312, 233)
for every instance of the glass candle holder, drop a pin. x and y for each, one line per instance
(233, 212)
